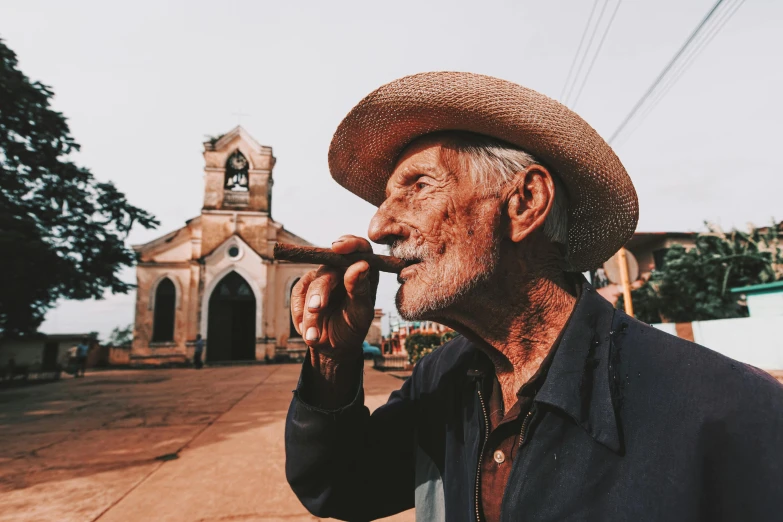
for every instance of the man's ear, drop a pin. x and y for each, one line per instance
(529, 201)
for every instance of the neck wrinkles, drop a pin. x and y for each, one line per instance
(516, 324)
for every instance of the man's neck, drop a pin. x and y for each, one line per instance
(516, 325)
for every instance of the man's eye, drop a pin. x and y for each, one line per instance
(420, 185)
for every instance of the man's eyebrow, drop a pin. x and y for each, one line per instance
(419, 168)
(415, 168)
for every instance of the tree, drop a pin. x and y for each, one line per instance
(420, 344)
(695, 284)
(62, 232)
(121, 336)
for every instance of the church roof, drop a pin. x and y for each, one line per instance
(183, 234)
(218, 142)
(176, 237)
(289, 237)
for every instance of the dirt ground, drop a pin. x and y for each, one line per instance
(154, 445)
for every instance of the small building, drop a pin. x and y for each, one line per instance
(764, 300)
(42, 352)
(375, 333)
(216, 275)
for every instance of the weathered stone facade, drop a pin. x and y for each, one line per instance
(183, 276)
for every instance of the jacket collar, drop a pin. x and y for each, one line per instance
(578, 382)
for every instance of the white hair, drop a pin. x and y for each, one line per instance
(493, 163)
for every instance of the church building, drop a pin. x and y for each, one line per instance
(215, 276)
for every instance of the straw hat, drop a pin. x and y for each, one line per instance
(603, 208)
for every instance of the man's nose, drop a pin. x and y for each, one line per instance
(384, 228)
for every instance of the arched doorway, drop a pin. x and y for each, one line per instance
(231, 326)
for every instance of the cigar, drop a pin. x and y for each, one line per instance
(325, 256)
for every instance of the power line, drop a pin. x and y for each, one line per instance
(726, 14)
(587, 50)
(674, 75)
(720, 22)
(688, 58)
(665, 71)
(595, 56)
(578, 49)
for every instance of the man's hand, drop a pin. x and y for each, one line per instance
(332, 309)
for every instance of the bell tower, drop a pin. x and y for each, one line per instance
(238, 173)
(237, 192)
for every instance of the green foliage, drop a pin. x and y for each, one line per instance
(121, 336)
(694, 284)
(448, 336)
(420, 344)
(62, 233)
(214, 139)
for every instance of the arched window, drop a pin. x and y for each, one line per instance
(236, 172)
(163, 320)
(292, 333)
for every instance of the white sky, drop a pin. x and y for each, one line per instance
(142, 83)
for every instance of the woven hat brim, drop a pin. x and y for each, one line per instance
(603, 207)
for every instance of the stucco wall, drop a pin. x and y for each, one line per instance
(148, 277)
(29, 352)
(220, 225)
(248, 264)
(768, 304)
(753, 340)
(179, 253)
(284, 277)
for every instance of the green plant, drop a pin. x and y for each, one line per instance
(420, 344)
(695, 284)
(448, 336)
(214, 139)
(121, 336)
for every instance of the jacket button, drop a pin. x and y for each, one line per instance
(500, 457)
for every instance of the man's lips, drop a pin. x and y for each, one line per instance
(410, 268)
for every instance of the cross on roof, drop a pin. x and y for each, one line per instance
(239, 116)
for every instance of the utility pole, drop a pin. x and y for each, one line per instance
(625, 279)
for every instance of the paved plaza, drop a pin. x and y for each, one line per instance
(154, 445)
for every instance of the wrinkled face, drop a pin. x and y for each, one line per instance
(443, 225)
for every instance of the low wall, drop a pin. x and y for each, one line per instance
(757, 341)
(119, 355)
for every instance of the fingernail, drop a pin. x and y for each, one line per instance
(312, 334)
(301, 327)
(338, 241)
(315, 302)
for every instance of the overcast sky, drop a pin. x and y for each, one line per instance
(142, 83)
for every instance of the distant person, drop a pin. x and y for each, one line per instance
(82, 349)
(198, 352)
(11, 371)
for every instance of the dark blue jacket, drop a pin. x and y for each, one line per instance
(631, 424)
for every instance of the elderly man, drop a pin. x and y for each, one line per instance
(551, 405)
